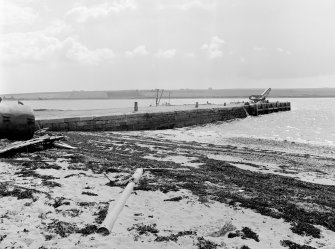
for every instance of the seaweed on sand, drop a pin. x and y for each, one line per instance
(293, 245)
(272, 195)
(33, 173)
(245, 247)
(303, 228)
(62, 228)
(245, 233)
(174, 237)
(89, 229)
(59, 201)
(51, 184)
(101, 214)
(144, 229)
(20, 193)
(205, 244)
(2, 237)
(248, 233)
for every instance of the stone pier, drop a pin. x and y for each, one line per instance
(161, 119)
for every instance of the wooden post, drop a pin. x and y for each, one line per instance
(113, 212)
(157, 91)
(196, 104)
(135, 106)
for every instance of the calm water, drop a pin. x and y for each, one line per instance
(311, 120)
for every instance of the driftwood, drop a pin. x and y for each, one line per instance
(64, 145)
(14, 147)
(41, 131)
(162, 169)
(114, 211)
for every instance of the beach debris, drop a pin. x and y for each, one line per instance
(17, 121)
(18, 146)
(162, 169)
(79, 174)
(88, 193)
(178, 198)
(119, 181)
(64, 145)
(114, 211)
(227, 227)
(41, 131)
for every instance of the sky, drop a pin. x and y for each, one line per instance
(66, 45)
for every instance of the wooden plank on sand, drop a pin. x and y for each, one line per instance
(19, 145)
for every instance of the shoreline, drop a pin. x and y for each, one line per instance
(196, 195)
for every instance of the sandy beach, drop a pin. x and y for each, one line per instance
(249, 193)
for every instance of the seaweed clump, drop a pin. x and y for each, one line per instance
(174, 237)
(20, 193)
(101, 214)
(303, 228)
(62, 228)
(206, 244)
(245, 233)
(89, 229)
(293, 245)
(144, 229)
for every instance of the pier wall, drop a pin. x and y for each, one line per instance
(143, 121)
(155, 120)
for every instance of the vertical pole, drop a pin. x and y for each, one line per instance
(157, 91)
(135, 106)
(196, 104)
(159, 100)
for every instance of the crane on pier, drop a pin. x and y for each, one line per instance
(260, 98)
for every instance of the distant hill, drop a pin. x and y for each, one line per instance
(181, 93)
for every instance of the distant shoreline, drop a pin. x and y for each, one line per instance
(173, 94)
(203, 97)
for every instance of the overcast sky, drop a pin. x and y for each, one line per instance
(62, 45)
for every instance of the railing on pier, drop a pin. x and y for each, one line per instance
(265, 108)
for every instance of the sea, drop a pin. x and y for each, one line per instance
(311, 120)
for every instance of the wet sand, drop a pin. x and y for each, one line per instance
(248, 193)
